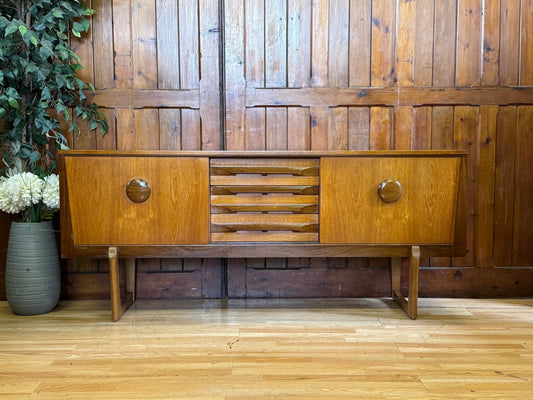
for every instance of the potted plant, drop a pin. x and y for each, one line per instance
(39, 90)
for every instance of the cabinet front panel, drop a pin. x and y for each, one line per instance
(418, 205)
(176, 210)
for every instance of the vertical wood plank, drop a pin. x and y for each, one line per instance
(469, 27)
(406, 41)
(84, 49)
(108, 141)
(444, 46)
(146, 129)
(526, 44)
(466, 125)
(358, 128)
(299, 43)
(509, 42)
(319, 43)
(442, 127)
(210, 81)
(485, 207)
(170, 129)
(168, 60)
(319, 128)
(255, 44)
(102, 28)
(491, 43)
(255, 135)
(504, 186)
(144, 50)
(360, 42)
(188, 45)
(381, 122)
(235, 82)
(338, 43)
(190, 130)
(338, 129)
(403, 127)
(383, 43)
(523, 216)
(276, 128)
(122, 44)
(423, 62)
(276, 43)
(298, 128)
(125, 121)
(421, 135)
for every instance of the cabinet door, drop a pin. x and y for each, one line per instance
(176, 211)
(351, 210)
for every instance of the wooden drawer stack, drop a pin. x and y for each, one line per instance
(264, 199)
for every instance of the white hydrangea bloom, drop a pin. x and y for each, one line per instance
(51, 191)
(20, 191)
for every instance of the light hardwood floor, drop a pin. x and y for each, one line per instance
(270, 349)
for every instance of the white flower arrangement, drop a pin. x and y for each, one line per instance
(34, 198)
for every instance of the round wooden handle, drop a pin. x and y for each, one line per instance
(390, 190)
(138, 190)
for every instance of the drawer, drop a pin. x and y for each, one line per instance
(175, 212)
(351, 210)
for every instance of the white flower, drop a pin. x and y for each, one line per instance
(20, 191)
(51, 191)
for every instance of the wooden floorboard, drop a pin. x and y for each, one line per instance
(266, 349)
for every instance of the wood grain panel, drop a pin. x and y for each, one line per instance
(176, 212)
(338, 43)
(383, 43)
(189, 50)
(351, 211)
(523, 221)
(468, 57)
(485, 180)
(491, 43)
(360, 31)
(423, 52)
(102, 32)
(298, 43)
(445, 43)
(168, 59)
(122, 43)
(406, 42)
(509, 42)
(255, 43)
(526, 44)
(276, 43)
(466, 126)
(144, 50)
(319, 43)
(504, 186)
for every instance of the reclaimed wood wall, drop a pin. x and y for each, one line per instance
(325, 74)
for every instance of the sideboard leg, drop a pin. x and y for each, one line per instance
(414, 264)
(119, 307)
(115, 284)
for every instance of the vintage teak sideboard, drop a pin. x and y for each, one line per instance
(397, 204)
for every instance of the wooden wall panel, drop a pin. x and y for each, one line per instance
(322, 74)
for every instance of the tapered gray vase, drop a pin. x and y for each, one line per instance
(33, 278)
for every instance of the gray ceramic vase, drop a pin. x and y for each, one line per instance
(33, 278)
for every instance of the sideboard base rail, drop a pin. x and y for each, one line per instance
(119, 304)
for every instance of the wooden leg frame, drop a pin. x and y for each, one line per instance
(118, 305)
(409, 305)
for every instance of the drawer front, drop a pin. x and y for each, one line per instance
(264, 200)
(175, 212)
(352, 211)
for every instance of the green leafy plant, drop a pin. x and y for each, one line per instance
(39, 89)
(38, 83)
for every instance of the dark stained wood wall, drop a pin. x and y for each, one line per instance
(325, 74)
